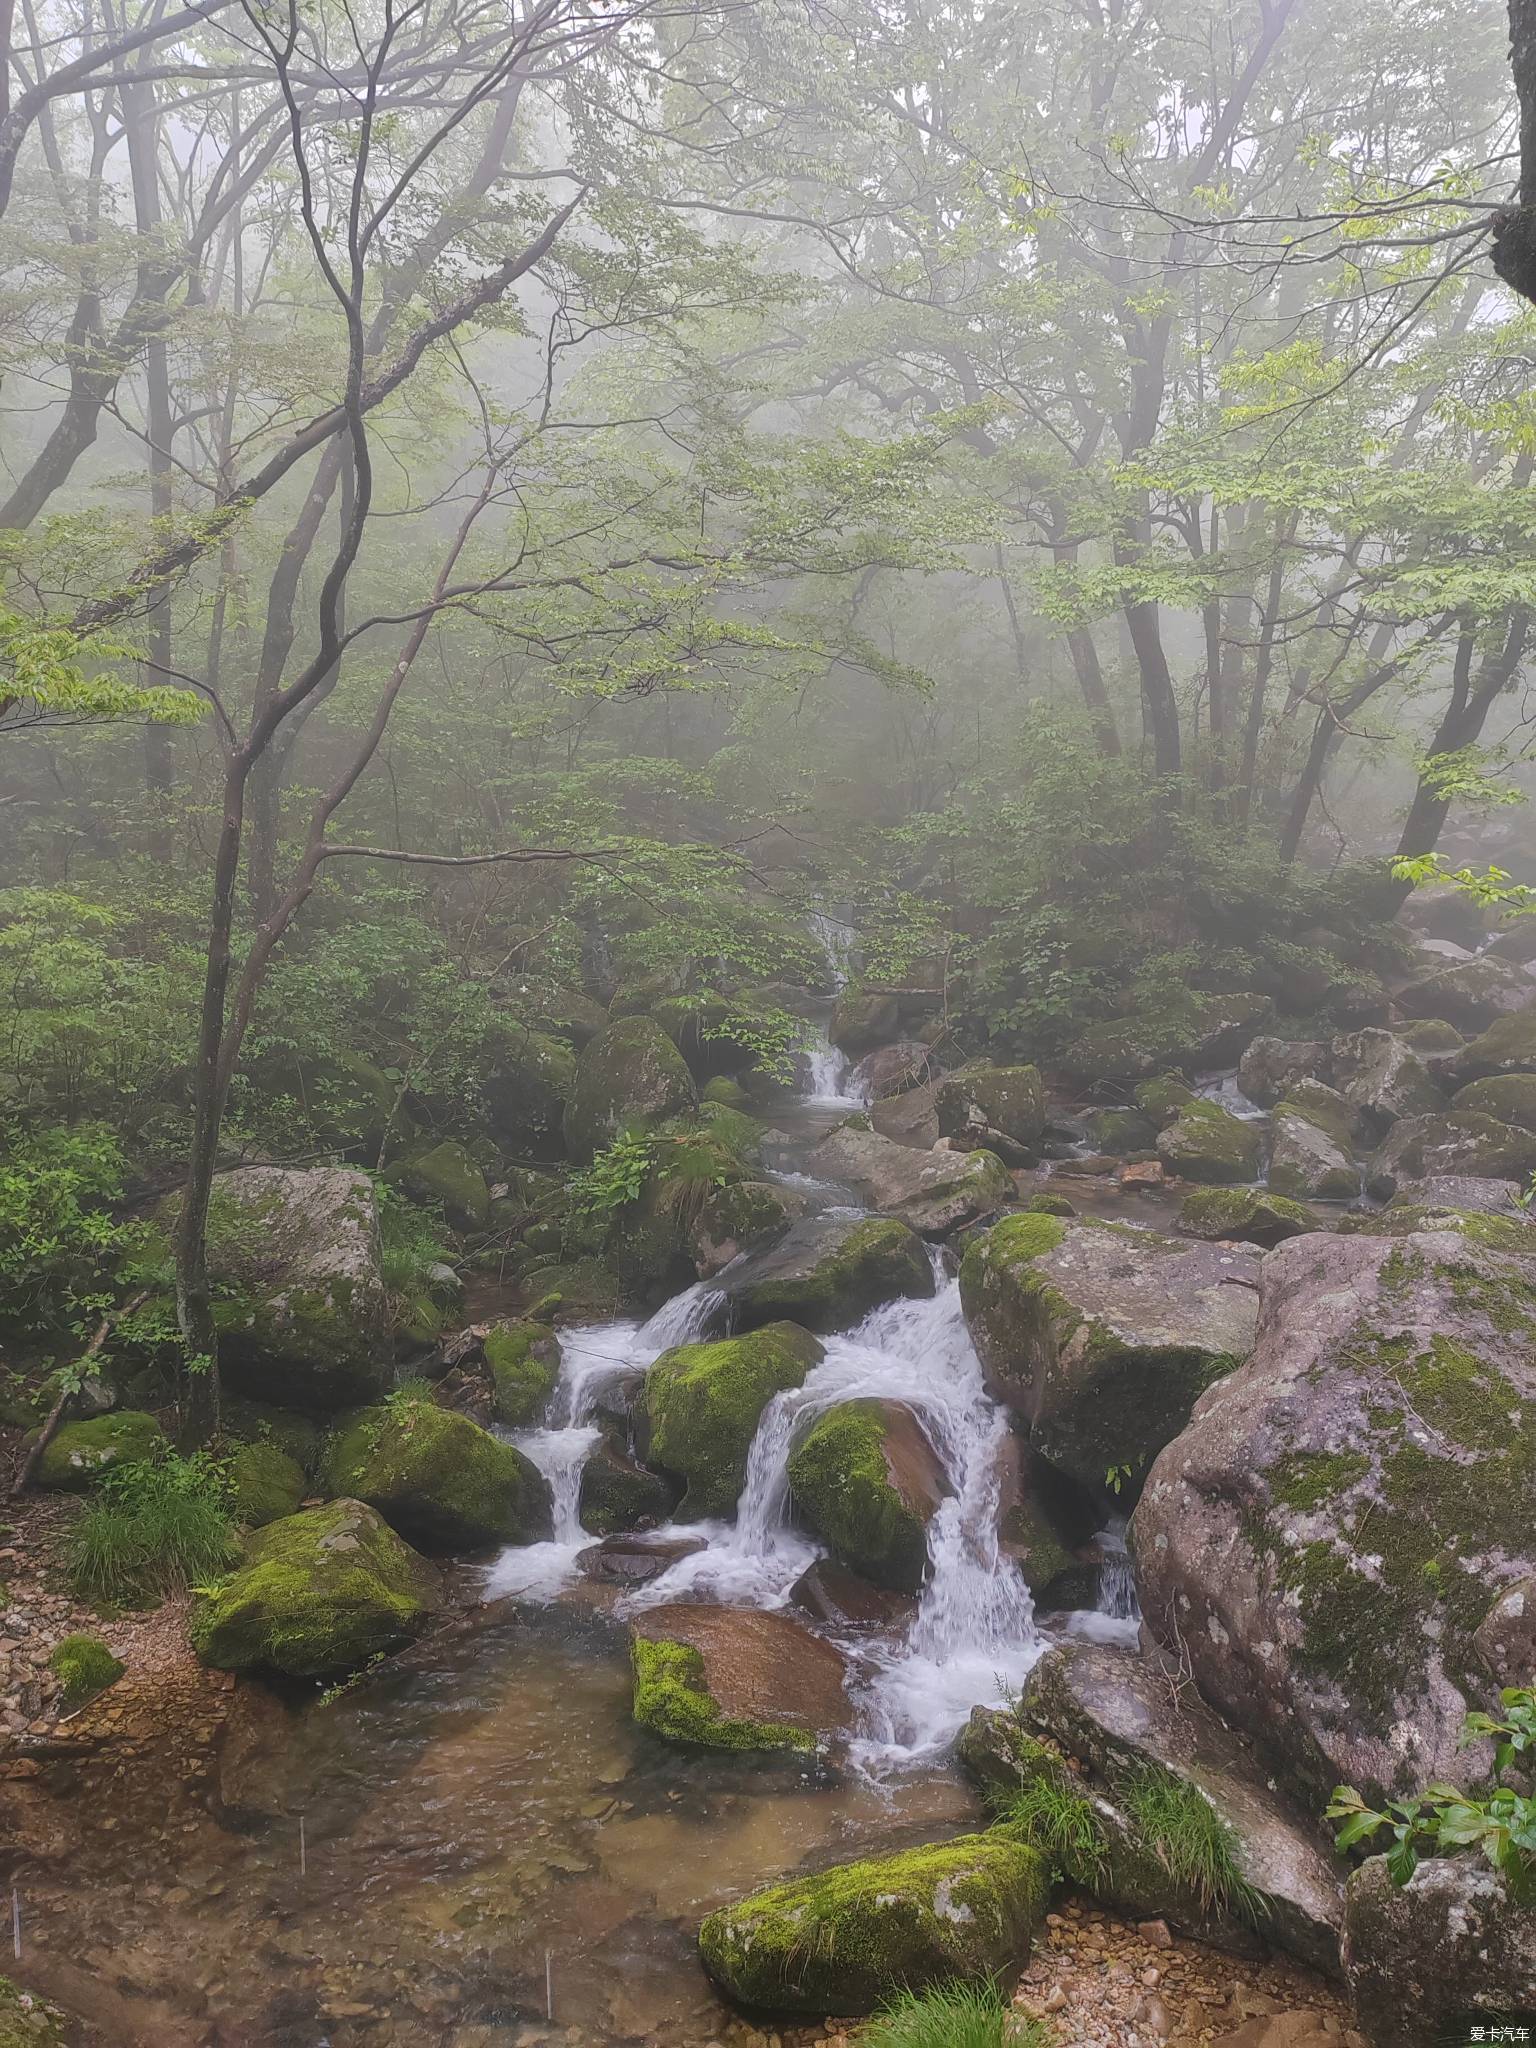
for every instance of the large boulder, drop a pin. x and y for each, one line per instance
(527, 1080)
(265, 1484)
(302, 1308)
(829, 1272)
(853, 1937)
(739, 1216)
(703, 1403)
(441, 1480)
(618, 1494)
(444, 1176)
(319, 1593)
(1382, 1077)
(1460, 1144)
(1326, 1536)
(631, 1077)
(1271, 1067)
(1205, 1142)
(936, 1192)
(1310, 1157)
(863, 1018)
(1249, 1215)
(1152, 1754)
(1447, 1946)
(1009, 1100)
(1103, 1336)
(1507, 1046)
(866, 1479)
(736, 1678)
(79, 1452)
(522, 1363)
(1469, 994)
(1507, 1098)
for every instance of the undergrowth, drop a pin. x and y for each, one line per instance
(151, 1528)
(1060, 1822)
(952, 2016)
(1179, 1825)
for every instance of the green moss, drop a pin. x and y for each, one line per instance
(672, 1700)
(1206, 1142)
(439, 1479)
(264, 1484)
(523, 1361)
(725, 1092)
(873, 1263)
(1306, 1479)
(631, 1077)
(1121, 1131)
(1509, 1098)
(254, 1422)
(1050, 1205)
(1163, 1097)
(1489, 1231)
(27, 2021)
(840, 1483)
(1243, 1213)
(704, 1402)
(319, 1593)
(84, 1666)
(445, 1175)
(847, 1939)
(1323, 1109)
(80, 1450)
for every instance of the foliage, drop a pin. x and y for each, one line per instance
(1058, 1819)
(1445, 1820)
(61, 1248)
(616, 1177)
(151, 1528)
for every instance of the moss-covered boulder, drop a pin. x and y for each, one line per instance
(1205, 1142)
(318, 1594)
(1271, 1067)
(1507, 1098)
(1006, 1100)
(739, 1216)
(265, 1484)
(1508, 1046)
(578, 1290)
(734, 1678)
(1310, 1146)
(84, 1666)
(528, 1078)
(851, 1938)
(441, 1480)
(301, 1437)
(829, 1272)
(936, 1192)
(1448, 1956)
(1470, 994)
(1461, 1144)
(631, 1077)
(618, 1493)
(1210, 1031)
(522, 1361)
(863, 1018)
(1121, 1131)
(445, 1176)
(1382, 1076)
(1161, 1098)
(1326, 1536)
(81, 1451)
(866, 1479)
(27, 2021)
(703, 1403)
(1103, 1336)
(1248, 1215)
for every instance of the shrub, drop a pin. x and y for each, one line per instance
(59, 1243)
(152, 1527)
(85, 1666)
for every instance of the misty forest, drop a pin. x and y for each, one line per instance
(767, 1023)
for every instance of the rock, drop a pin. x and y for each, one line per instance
(892, 1070)
(1163, 1097)
(1144, 1173)
(318, 1594)
(828, 1592)
(1249, 1215)
(734, 1678)
(27, 2021)
(1309, 1153)
(1430, 1037)
(866, 1479)
(1507, 1098)
(1121, 1131)
(1450, 1942)
(1208, 1143)
(1469, 994)
(304, 1318)
(441, 1480)
(1010, 1100)
(1211, 1034)
(1326, 1536)
(444, 1176)
(1102, 1335)
(1271, 1067)
(909, 1118)
(84, 1666)
(935, 1192)
(635, 1559)
(631, 1077)
(1505, 1638)
(703, 1403)
(255, 1422)
(1046, 1528)
(1442, 911)
(830, 1272)
(80, 1451)
(617, 1493)
(740, 1216)
(1508, 1046)
(527, 1079)
(523, 1362)
(862, 1019)
(1461, 1144)
(351, 1105)
(1451, 1191)
(264, 1484)
(1383, 1078)
(849, 1939)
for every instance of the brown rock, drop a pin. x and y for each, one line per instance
(757, 1666)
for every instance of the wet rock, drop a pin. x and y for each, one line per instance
(441, 1480)
(618, 1493)
(741, 1216)
(733, 1678)
(522, 1362)
(1451, 1941)
(1211, 1033)
(703, 1403)
(630, 1076)
(866, 1479)
(847, 1940)
(1460, 1144)
(934, 1192)
(1271, 1067)
(830, 1272)
(1383, 1078)
(1470, 994)
(635, 1559)
(1327, 1534)
(1121, 1131)
(828, 1592)
(1205, 1142)
(1047, 1528)
(1102, 1336)
(1248, 1215)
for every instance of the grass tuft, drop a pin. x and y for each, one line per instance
(952, 2016)
(1180, 1826)
(152, 1527)
(1060, 1822)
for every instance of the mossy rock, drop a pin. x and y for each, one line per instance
(631, 1077)
(440, 1480)
(571, 1291)
(866, 1480)
(1250, 1215)
(245, 1421)
(1430, 1034)
(1050, 1205)
(1006, 1099)
(1508, 1046)
(320, 1593)
(1163, 1097)
(80, 1451)
(264, 1484)
(27, 2021)
(726, 1093)
(863, 1018)
(1205, 1142)
(84, 1666)
(1209, 1032)
(672, 1699)
(527, 1080)
(445, 1176)
(1121, 1131)
(618, 1494)
(829, 1273)
(523, 1361)
(703, 1403)
(1508, 1098)
(851, 1938)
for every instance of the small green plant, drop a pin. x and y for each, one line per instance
(84, 1666)
(615, 1177)
(151, 1528)
(1443, 1819)
(1115, 1476)
(1196, 1847)
(1058, 1820)
(951, 2016)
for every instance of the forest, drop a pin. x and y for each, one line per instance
(767, 1023)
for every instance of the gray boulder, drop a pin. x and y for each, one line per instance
(1460, 1144)
(1310, 1156)
(935, 1192)
(1207, 1143)
(1507, 1046)
(1451, 1942)
(1383, 1078)
(1469, 994)
(829, 1272)
(1271, 1067)
(1006, 1101)
(630, 1077)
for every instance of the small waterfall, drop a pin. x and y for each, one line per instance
(1117, 1580)
(836, 941)
(829, 1075)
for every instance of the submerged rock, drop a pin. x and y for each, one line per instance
(736, 1678)
(866, 1479)
(935, 1192)
(1450, 1943)
(636, 1558)
(81, 1451)
(703, 1403)
(1208, 1143)
(1251, 1215)
(630, 1077)
(439, 1479)
(830, 1272)
(828, 1592)
(851, 1938)
(1102, 1336)
(1326, 1536)
(319, 1593)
